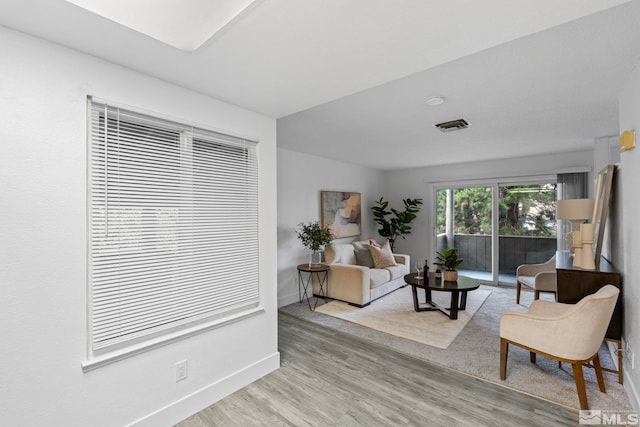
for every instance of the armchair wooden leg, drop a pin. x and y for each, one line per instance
(518, 287)
(598, 368)
(532, 357)
(537, 294)
(580, 387)
(504, 351)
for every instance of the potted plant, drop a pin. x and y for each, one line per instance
(397, 225)
(314, 237)
(449, 261)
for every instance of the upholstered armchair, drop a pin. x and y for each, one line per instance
(539, 277)
(570, 333)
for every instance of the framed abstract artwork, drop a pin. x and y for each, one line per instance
(341, 212)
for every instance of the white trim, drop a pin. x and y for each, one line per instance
(501, 178)
(289, 298)
(629, 386)
(114, 356)
(188, 405)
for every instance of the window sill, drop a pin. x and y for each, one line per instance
(115, 356)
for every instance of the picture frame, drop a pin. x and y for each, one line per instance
(341, 212)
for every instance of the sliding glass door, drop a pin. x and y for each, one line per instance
(497, 226)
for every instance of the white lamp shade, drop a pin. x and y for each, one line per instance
(574, 209)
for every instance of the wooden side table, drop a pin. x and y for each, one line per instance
(322, 275)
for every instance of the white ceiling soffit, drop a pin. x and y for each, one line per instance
(185, 25)
(285, 56)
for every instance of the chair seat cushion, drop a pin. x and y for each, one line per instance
(544, 282)
(529, 281)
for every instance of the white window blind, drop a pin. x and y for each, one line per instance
(173, 226)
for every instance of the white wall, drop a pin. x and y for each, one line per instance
(301, 177)
(417, 183)
(629, 177)
(43, 243)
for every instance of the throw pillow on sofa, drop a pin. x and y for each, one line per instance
(382, 256)
(363, 257)
(364, 244)
(339, 253)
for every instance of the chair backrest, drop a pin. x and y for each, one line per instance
(589, 321)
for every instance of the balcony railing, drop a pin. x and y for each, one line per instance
(475, 250)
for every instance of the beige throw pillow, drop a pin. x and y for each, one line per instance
(364, 244)
(382, 256)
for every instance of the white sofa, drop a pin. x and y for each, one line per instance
(360, 284)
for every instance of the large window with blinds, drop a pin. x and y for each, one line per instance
(173, 225)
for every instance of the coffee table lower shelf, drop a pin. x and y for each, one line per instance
(458, 290)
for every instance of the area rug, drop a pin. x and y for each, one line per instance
(394, 314)
(476, 351)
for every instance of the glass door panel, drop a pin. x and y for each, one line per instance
(527, 226)
(464, 222)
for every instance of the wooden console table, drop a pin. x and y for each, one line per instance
(576, 283)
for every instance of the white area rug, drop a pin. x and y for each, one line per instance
(394, 314)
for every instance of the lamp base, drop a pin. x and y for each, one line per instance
(587, 261)
(577, 257)
(577, 249)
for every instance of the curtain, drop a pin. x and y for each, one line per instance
(570, 186)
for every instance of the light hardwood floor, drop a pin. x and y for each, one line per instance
(329, 378)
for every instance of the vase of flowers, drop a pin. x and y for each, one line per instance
(314, 237)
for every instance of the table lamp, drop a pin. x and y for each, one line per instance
(576, 211)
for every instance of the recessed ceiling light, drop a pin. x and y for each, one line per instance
(435, 100)
(185, 25)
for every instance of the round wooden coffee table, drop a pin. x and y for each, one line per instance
(458, 290)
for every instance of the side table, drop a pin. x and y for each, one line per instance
(322, 275)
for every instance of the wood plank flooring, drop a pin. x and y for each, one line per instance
(329, 378)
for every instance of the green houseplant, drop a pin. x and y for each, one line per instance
(398, 224)
(448, 259)
(314, 237)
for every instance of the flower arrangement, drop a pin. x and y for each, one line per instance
(313, 236)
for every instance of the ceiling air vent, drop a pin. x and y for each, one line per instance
(452, 125)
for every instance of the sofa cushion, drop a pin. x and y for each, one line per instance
(339, 253)
(382, 256)
(363, 257)
(378, 277)
(396, 271)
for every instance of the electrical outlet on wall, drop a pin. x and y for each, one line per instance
(181, 370)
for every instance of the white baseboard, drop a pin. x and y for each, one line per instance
(195, 402)
(287, 299)
(630, 387)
